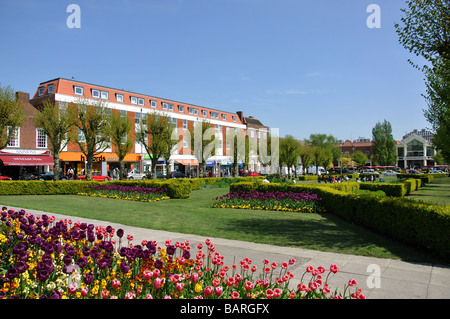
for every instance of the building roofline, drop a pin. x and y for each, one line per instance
(132, 92)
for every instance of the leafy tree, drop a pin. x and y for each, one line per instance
(203, 144)
(155, 134)
(306, 157)
(56, 123)
(360, 158)
(11, 115)
(384, 149)
(290, 149)
(122, 142)
(425, 29)
(92, 123)
(323, 149)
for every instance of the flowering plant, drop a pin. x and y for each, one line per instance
(137, 193)
(44, 258)
(277, 200)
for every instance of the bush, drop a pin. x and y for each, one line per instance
(412, 222)
(308, 178)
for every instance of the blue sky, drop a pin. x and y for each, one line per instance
(303, 66)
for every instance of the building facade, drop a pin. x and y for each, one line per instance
(256, 132)
(27, 153)
(416, 150)
(63, 91)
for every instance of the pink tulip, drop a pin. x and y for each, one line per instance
(179, 286)
(208, 291)
(115, 283)
(218, 291)
(195, 277)
(157, 282)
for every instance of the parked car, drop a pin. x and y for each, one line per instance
(49, 176)
(5, 178)
(369, 171)
(132, 174)
(176, 174)
(389, 173)
(252, 174)
(312, 170)
(96, 176)
(158, 175)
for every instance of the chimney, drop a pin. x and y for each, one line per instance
(240, 114)
(23, 96)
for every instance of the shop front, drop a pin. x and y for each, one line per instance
(103, 162)
(21, 164)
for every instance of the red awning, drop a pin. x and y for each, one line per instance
(27, 160)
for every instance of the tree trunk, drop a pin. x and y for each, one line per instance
(56, 168)
(121, 169)
(90, 160)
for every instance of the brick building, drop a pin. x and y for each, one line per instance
(63, 91)
(28, 152)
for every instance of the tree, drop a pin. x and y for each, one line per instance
(360, 158)
(203, 144)
(155, 134)
(384, 149)
(122, 142)
(306, 157)
(11, 115)
(438, 100)
(56, 123)
(323, 149)
(425, 29)
(92, 123)
(426, 32)
(290, 150)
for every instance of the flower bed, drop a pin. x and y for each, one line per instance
(137, 193)
(306, 202)
(44, 258)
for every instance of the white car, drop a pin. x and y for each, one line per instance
(389, 173)
(134, 175)
(369, 171)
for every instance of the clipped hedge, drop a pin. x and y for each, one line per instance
(412, 222)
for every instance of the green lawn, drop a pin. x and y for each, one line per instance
(324, 232)
(436, 192)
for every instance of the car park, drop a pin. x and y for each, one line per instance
(96, 176)
(176, 174)
(132, 174)
(49, 176)
(389, 173)
(159, 175)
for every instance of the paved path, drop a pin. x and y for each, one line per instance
(397, 280)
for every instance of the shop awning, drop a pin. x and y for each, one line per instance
(187, 161)
(27, 160)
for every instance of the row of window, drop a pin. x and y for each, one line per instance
(134, 100)
(41, 138)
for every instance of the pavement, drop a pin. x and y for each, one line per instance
(377, 277)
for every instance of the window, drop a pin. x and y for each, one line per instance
(104, 95)
(119, 97)
(185, 124)
(137, 117)
(50, 88)
(192, 110)
(181, 108)
(81, 137)
(204, 113)
(224, 117)
(123, 113)
(415, 148)
(153, 104)
(214, 115)
(167, 106)
(185, 142)
(14, 141)
(96, 94)
(133, 100)
(234, 119)
(141, 101)
(78, 90)
(41, 138)
(41, 90)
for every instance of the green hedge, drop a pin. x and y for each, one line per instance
(412, 222)
(425, 178)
